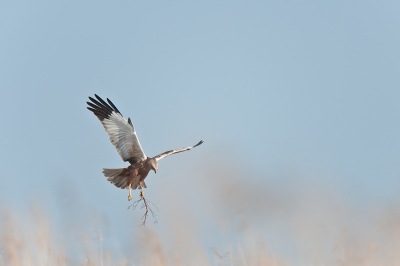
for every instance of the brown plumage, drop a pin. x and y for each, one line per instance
(123, 136)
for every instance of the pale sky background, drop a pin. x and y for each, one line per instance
(285, 93)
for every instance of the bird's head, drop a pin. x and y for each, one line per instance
(154, 165)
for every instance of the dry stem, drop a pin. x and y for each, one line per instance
(147, 205)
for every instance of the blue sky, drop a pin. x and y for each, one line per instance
(284, 92)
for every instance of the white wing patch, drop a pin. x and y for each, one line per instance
(167, 153)
(123, 136)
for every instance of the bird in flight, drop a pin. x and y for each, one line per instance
(124, 138)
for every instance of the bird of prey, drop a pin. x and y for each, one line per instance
(123, 136)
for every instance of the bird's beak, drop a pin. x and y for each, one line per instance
(155, 171)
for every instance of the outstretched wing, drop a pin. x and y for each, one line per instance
(121, 131)
(167, 153)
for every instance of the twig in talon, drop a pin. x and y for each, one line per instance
(146, 204)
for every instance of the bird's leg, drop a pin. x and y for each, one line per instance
(141, 193)
(130, 193)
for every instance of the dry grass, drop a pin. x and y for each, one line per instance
(259, 224)
(32, 241)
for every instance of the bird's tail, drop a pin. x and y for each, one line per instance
(117, 177)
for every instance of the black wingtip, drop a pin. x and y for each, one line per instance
(113, 106)
(99, 107)
(93, 100)
(130, 122)
(200, 142)
(95, 95)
